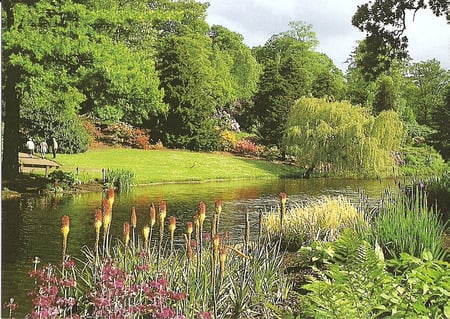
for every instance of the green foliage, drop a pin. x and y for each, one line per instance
(441, 117)
(356, 284)
(119, 178)
(345, 136)
(421, 160)
(385, 97)
(63, 180)
(72, 59)
(188, 79)
(384, 25)
(291, 69)
(405, 224)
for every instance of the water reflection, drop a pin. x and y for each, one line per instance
(31, 226)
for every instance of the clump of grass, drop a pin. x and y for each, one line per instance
(321, 220)
(122, 179)
(404, 223)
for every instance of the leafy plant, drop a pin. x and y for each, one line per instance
(63, 180)
(120, 178)
(356, 283)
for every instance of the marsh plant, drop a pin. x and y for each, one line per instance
(209, 276)
(405, 223)
(321, 220)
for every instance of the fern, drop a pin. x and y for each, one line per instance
(354, 282)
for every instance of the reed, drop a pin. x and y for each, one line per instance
(404, 223)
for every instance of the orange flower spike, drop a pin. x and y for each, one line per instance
(110, 195)
(133, 217)
(65, 226)
(218, 206)
(152, 215)
(202, 212)
(172, 223)
(126, 233)
(98, 220)
(107, 212)
(189, 228)
(283, 198)
(162, 212)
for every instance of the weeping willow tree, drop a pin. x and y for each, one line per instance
(345, 138)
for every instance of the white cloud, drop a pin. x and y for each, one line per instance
(258, 20)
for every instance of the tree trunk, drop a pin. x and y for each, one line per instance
(10, 114)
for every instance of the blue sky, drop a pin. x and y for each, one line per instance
(258, 20)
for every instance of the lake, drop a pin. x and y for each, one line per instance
(31, 225)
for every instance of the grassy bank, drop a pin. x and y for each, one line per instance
(154, 166)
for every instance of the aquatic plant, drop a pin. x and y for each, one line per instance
(323, 219)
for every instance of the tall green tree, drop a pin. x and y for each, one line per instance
(347, 138)
(291, 69)
(386, 95)
(73, 58)
(430, 81)
(385, 23)
(188, 80)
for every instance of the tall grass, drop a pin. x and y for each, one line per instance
(404, 223)
(322, 220)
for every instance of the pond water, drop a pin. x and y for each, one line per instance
(31, 226)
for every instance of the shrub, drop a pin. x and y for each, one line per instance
(246, 147)
(63, 180)
(322, 220)
(423, 160)
(228, 140)
(356, 284)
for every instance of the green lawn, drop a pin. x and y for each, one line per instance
(152, 166)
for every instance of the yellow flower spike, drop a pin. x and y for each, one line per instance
(126, 233)
(189, 228)
(133, 217)
(172, 223)
(152, 215)
(98, 221)
(107, 213)
(172, 226)
(162, 212)
(216, 242)
(283, 198)
(65, 228)
(146, 233)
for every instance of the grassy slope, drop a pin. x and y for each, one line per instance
(150, 166)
